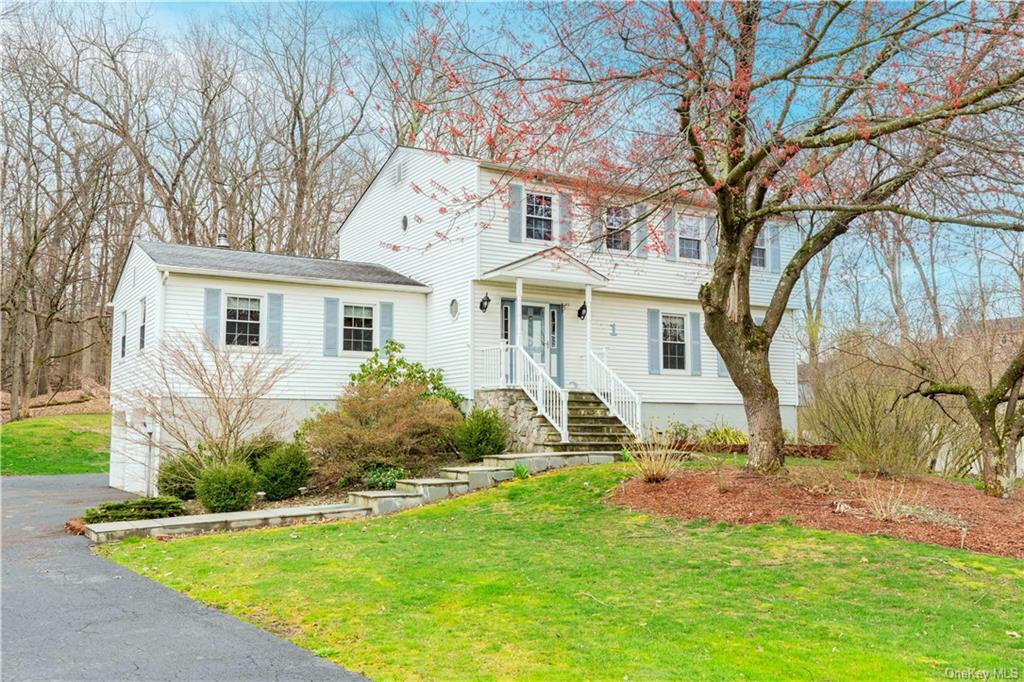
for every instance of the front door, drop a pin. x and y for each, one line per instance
(541, 335)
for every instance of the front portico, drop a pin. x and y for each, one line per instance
(541, 339)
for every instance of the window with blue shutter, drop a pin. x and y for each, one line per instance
(774, 251)
(671, 240)
(515, 213)
(331, 326)
(695, 367)
(387, 322)
(564, 217)
(653, 341)
(211, 315)
(275, 323)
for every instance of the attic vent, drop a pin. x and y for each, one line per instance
(399, 173)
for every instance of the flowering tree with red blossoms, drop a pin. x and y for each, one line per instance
(761, 112)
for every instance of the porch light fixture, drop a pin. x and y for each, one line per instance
(484, 302)
(582, 312)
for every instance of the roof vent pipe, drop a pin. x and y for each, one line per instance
(222, 240)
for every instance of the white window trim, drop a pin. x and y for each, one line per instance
(375, 343)
(760, 243)
(224, 323)
(554, 215)
(687, 365)
(683, 218)
(631, 230)
(142, 323)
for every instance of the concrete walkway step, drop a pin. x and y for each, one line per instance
(433, 489)
(385, 501)
(479, 476)
(201, 523)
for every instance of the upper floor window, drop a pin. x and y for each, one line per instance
(124, 332)
(673, 342)
(690, 237)
(539, 216)
(757, 257)
(142, 324)
(616, 233)
(357, 328)
(242, 326)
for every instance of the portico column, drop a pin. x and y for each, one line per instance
(519, 312)
(587, 296)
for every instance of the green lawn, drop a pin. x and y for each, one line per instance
(71, 444)
(539, 579)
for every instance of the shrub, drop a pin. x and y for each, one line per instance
(393, 370)
(481, 433)
(377, 423)
(687, 433)
(135, 510)
(654, 457)
(889, 502)
(876, 433)
(226, 487)
(177, 476)
(723, 434)
(252, 450)
(382, 476)
(520, 471)
(281, 472)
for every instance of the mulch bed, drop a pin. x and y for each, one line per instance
(942, 508)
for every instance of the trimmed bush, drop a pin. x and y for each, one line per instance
(135, 510)
(282, 472)
(392, 369)
(226, 487)
(723, 434)
(481, 433)
(177, 476)
(382, 476)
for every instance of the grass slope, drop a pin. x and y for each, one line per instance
(71, 444)
(540, 579)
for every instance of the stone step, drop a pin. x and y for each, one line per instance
(604, 436)
(582, 427)
(542, 461)
(601, 411)
(583, 446)
(478, 476)
(385, 501)
(432, 489)
(205, 523)
(606, 419)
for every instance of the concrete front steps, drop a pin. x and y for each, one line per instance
(455, 480)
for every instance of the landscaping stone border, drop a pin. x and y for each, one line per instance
(203, 523)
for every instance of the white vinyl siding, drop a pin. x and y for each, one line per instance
(438, 249)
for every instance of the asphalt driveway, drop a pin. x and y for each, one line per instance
(68, 614)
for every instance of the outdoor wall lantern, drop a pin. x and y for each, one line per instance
(484, 302)
(582, 312)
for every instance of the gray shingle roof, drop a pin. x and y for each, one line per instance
(228, 261)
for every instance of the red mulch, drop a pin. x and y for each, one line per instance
(789, 449)
(993, 525)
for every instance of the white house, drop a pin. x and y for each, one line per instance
(503, 279)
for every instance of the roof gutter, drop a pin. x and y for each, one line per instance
(353, 284)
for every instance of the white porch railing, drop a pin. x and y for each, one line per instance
(620, 399)
(511, 366)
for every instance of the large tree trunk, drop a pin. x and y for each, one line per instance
(996, 468)
(764, 418)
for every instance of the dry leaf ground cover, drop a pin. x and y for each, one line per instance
(545, 579)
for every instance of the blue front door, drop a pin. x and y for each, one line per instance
(541, 335)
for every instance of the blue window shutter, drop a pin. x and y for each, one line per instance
(695, 344)
(671, 237)
(330, 326)
(711, 238)
(275, 328)
(211, 315)
(774, 254)
(653, 341)
(559, 349)
(516, 200)
(723, 371)
(641, 232)
(597, 230)
(387, 322)
(564, 216)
